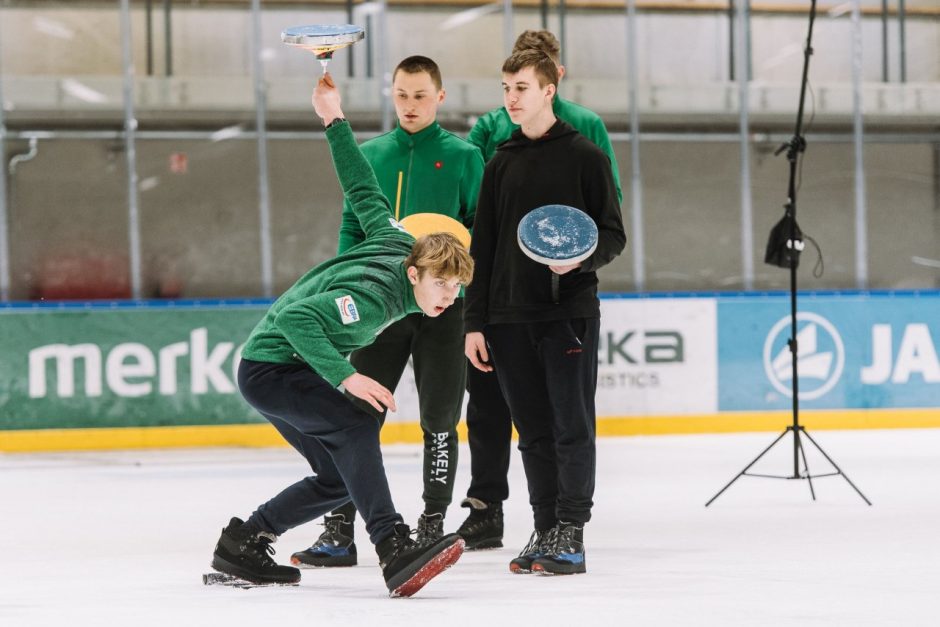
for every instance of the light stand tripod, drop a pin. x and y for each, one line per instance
(783, 249)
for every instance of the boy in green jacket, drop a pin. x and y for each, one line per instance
(295, 359)
(421, 168)
(489, 425)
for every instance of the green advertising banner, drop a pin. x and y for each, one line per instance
(140, 366)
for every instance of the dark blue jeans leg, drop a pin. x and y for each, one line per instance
(339, 441)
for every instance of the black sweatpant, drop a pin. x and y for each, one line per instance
(436, 347)
(489, 434)
(338, 440)
(548, 375)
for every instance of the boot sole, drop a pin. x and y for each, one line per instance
(489, 543)
(558, 569)
(322, 562)
(231, 581)
(443, 560)
(228, 568)
(518, 569)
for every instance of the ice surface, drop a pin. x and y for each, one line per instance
(122, 538)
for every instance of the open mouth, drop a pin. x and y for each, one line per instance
(439, 309)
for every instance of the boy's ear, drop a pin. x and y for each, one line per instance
(412, 274)
(441, 95)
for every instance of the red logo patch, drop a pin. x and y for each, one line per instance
(438, 165)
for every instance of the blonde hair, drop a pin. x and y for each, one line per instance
(443, 256)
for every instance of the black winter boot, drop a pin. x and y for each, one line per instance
(407, 566)
(245, 552)
(540, 543)
(567, 556)
(334, 547)
(483, 528)
(430, 529)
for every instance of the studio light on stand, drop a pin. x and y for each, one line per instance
(783, 250)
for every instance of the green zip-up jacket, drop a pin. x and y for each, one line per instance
(440, 173)
(495, 127)
(343, 303)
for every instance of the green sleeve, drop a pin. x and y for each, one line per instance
(470, 188)
(602, 140)
(480, 136)
(357, 179)
(350, 231)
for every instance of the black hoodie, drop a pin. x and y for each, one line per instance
(561, 167)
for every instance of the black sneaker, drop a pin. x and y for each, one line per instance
(539, 544)
(567, 556)
(334, 547)
(430, 529)
(483, 528)
(407, 566)
(245, 552)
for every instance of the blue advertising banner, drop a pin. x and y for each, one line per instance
(854, 351)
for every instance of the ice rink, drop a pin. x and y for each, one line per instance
(122, 538)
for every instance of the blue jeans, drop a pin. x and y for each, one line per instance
(338, 440)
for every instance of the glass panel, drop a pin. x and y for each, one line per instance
(903, 191)
(67, 199)
(692, 216)
(198, 191)
(197, 158)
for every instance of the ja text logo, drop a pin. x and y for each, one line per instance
(820, 356)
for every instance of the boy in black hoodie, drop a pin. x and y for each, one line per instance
(546, 348)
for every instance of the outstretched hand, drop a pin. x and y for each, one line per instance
(326, 100)
(369, 390)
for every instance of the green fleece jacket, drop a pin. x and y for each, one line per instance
(343, 303)
(495, 127)
(440, 173)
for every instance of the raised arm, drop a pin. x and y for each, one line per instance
(356, 177)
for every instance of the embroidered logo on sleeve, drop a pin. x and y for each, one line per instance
(347, 309)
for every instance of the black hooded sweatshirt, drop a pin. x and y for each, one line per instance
(561, 167)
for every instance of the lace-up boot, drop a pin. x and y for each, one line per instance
(245, 552)
(483, 528)
(430, 529)
(407, 566)
(539, 544)
(566, 557)
(334, 547)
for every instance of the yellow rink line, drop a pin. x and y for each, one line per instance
(260, 435)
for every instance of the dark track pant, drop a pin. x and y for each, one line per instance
(436, 347)
(338, 440)
(548, 375)
(489, 433)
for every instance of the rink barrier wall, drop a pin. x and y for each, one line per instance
(153, 374)
(264, 435)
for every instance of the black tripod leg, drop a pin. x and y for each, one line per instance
(834, 465)
(748, 467)
(799, 446)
